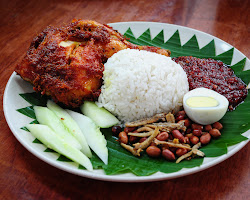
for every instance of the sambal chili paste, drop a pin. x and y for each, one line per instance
(215, 75)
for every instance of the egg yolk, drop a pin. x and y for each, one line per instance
(198, 102)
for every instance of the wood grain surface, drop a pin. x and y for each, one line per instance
(23, 176)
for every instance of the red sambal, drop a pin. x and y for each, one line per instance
(215, 75)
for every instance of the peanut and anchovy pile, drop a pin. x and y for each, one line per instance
(174, 137)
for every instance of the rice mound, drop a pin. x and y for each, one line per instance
(139, 84)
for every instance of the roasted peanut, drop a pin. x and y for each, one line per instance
(189, 130)
(179, 152)
(153, 151)
(197, 126)
(180, 117)
(215, 132)
(177, 134)
(129, 129)
(173, 149)
(187, 122)
(142, 139)
(116, 129)
(182, 112)
(205, 138)
(132, 139)
(123, 138)
(153, 144)
(164, 146)
(217, 125)
(167, 154)
(163, 136)
(171, 137)
(197, 132)
(207, 128)
(194, 139)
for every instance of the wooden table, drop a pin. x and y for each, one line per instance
(23, 176)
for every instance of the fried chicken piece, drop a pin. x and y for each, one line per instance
(67, 63)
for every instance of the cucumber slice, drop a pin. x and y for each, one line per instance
(46, 117)
(100, 116)
(49, 138)
(93, 135)
(70, 125)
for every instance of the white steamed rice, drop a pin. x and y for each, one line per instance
(139, 84)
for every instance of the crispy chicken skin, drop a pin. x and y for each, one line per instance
(66, 63)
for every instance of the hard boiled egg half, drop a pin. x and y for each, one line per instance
(205, 106)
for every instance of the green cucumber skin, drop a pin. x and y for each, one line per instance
(100, 116)
(46, 117)
(93, 135)
(71, 126)
(50, 139)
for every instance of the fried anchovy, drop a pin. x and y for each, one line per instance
(170, 118)
(135, 152)
(172, 144)
(143, 134)
(149, 120)
(168, 126)
(194, 150)
(143, 129)
(147, 142)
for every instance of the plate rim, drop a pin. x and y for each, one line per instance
(118, 178)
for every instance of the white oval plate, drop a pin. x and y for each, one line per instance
(15, 120)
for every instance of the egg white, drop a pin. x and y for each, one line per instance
(205, 115)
